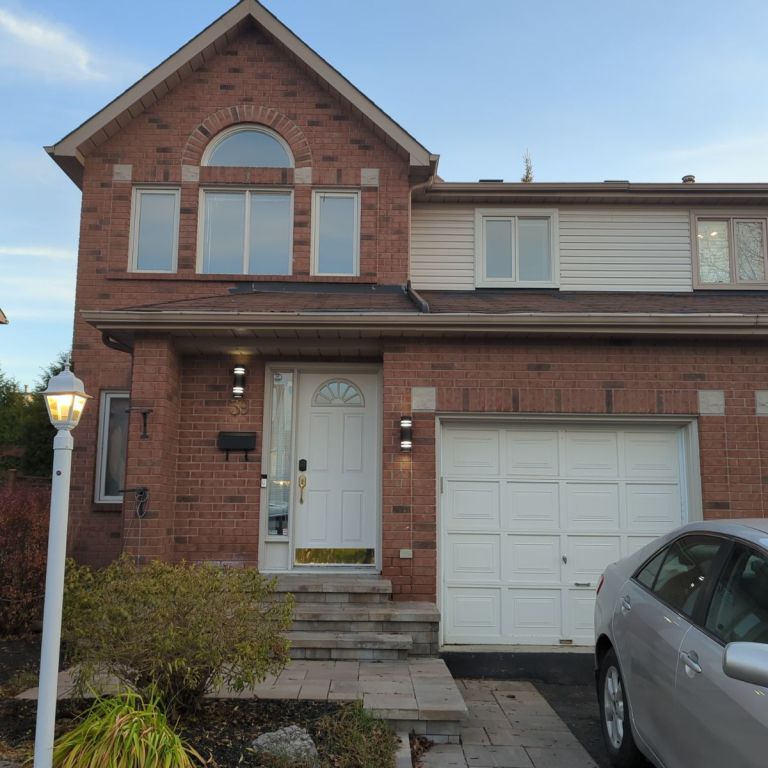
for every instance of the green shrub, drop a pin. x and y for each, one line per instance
(355, 738)
(23, 554)
(180, 630)
(126, 731)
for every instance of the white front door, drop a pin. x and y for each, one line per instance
(336, 493)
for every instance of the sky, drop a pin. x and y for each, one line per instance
(592, 89)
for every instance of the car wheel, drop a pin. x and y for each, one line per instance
(614, 715)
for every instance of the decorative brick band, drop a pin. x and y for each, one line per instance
(247, 113)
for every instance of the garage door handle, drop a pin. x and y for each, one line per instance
(582, 583)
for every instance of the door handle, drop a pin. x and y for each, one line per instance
(302, 486)
(582, 583)
(691, 660)
(626, 605)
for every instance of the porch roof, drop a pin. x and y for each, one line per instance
(271, 317)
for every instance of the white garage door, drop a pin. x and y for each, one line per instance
(531, 515)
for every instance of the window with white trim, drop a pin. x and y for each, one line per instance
(245, 232)
(248, 146)
(154, 229)
(731, 251)
(336, 233)
(515, 248)
(112, 444)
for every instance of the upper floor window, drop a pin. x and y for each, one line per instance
(245, 232)
(154, 229)
(731, 250)
(336, 233)
(515, 248)
(248, 147)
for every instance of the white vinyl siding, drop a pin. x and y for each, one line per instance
(617, 250)
(606, 249)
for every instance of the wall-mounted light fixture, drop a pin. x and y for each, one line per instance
(238, 382)
(406, 433)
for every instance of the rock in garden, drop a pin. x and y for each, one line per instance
(292, 743)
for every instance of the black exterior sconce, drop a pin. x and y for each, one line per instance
(238, 382)
(406, 433)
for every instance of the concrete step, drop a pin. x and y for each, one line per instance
(378, 646)
(418, 620)
(335, 588)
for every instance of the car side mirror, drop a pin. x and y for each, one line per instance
(747, 662)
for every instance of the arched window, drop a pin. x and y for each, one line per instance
(248, 147)
(338, 392)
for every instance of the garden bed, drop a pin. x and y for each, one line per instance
(221, 732)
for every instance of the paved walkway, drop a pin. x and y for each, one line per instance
(509, 725)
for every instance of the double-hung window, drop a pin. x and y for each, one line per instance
(154, 229)
(246, 232)
(336, 233)
(731, 251)
(113, 441)
(516, 248)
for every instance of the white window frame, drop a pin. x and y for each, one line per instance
(512, 214)
(758, 215)
(349, 193)
(248, 128)
(101, 450)
(249, 191)
(138, 193)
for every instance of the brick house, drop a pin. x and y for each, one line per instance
(321, 359)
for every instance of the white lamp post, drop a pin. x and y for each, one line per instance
(65, 399)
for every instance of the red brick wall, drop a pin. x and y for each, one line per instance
(567, 377)
(252, 81)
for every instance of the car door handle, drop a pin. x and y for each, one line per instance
(691, 660)
(626, 604)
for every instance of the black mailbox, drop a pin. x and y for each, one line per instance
(236, 441)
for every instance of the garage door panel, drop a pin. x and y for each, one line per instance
(532, 615)
(531, 514)
(651, 455)
(579, 615)
(472, 504)
(531, 506)
(531, 559)
(472, 557)
(591, 454)
(532, 452)
(473, 614)
(473, 452)
(591, 506)
(653, 507)
(588, 557)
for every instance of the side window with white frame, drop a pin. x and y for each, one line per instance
(336, 233)
(245, 232)
(516, 248)
(112, 445)
(731, 251)
(154, 229)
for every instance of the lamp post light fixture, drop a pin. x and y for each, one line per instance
(65, 399)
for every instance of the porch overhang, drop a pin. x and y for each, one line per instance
(198, 329)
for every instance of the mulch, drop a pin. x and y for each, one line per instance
(221, 732)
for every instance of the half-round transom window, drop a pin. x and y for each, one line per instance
(337, 392)
(248, 148)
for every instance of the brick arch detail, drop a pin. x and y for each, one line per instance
(247, 113)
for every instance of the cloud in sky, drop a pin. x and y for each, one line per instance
(28, 43)
(41, 252)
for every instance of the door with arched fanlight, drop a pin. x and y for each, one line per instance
(335, 498)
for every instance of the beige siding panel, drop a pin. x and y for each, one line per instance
(443, 247)
(625, 250)
(600, 249)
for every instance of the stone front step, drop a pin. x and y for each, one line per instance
(335, 588)
(418, 620)
(341, 646)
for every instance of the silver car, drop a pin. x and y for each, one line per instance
(681, 655)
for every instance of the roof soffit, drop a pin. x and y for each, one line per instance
(69, 152)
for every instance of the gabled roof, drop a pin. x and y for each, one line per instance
(70, 151)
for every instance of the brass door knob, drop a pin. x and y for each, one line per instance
(302, 486)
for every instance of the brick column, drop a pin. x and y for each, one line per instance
(151, 460)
